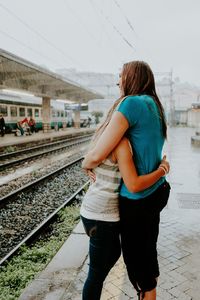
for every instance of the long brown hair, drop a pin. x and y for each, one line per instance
(136, 79)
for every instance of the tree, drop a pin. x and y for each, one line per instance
(97, 115)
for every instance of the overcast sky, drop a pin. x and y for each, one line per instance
(100, 35)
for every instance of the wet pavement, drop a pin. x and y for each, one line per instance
(178, 243)
(184, 175)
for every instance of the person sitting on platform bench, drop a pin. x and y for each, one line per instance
(23, 127)
(32, 125)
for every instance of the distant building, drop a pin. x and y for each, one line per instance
(181, 117)
(196, 105)
(194, 115)
(176, 97)
(103, 83)
(100, 105)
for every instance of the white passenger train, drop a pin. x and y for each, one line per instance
(17, 106)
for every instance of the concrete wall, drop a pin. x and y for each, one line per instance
(194, 118)
(181, 117)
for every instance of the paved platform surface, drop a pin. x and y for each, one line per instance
(178, 244)
(179, 260)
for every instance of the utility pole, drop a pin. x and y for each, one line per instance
(169, 83)
(171, 102)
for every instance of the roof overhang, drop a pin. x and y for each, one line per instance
(19, 74)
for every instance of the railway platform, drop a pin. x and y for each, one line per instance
(178, 248)
(178, 243)
(10, 140)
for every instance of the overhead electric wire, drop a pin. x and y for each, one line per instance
(16, 79)
(75, 81)
(126, 18)
(26, 46)
(102, 26)
(132, 28)
(42, 37)
(80, 21)
(39, 34)
(117, 30)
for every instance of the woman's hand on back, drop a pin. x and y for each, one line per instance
(164, 164)
(91, 174)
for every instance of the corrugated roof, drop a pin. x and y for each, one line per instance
(19, 74)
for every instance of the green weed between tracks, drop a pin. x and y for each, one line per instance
(22, 268)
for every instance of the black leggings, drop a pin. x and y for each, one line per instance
(139, 233)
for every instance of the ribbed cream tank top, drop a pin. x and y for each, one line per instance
(101, 199)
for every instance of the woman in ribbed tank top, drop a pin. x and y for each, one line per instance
(129, 188)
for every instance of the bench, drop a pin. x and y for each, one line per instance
(14, 131)
(18, 133)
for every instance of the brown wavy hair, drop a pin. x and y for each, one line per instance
(136, 79)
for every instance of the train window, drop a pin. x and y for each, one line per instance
(65, 114)
(53, 113)
(3, 110)
(62, 114)
(36, 113)
(22, 112)
(29, 112)
(13, 111)
(58, 113)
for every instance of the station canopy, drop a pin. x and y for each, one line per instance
(22, 75)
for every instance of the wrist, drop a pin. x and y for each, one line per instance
(164, 169)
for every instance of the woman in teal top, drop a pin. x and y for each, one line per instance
(139, 114)
(142, 114)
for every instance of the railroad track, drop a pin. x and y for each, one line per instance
(34, 233)
(26, 211)
(29, 153)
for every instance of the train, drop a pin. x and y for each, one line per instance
(17, 106)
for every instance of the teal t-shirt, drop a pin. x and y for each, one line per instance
(145, 136)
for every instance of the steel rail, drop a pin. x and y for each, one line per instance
(14, 153)
(42, 225)
(20, 160)
(29, 185)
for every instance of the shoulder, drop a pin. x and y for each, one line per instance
(132, 98)
(138, 98)
(131, 107)
(134, 101)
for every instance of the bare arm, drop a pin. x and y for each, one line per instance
(107, 142)
(132, 180)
